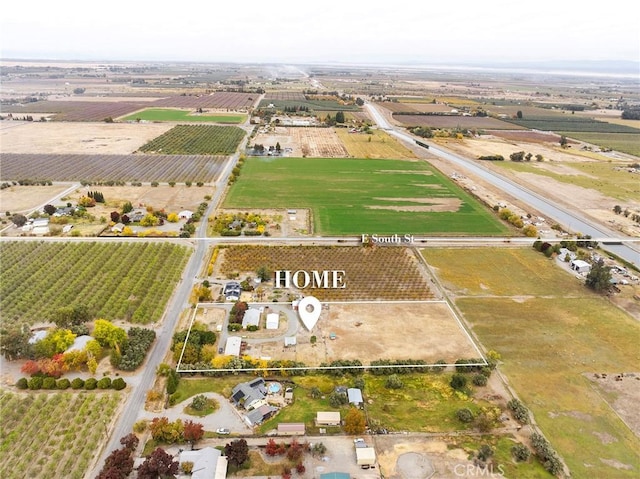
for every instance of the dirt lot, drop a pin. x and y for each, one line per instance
(23, 199)
(621, 393)
(310, 142)
(77, 138)
(363, 332)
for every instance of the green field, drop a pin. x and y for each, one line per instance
(623, 142)
(170, 114)
(571, 123)
(52, 435)
(550, 332)
(196, 140)
(114, 280)
(356, 196)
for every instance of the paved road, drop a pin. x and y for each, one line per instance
(572, 220)
(178, 303)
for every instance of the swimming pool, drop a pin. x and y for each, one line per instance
(274, 388)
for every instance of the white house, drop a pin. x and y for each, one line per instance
(232, 348)
(251, 318)
(208, 463)
(185, 215)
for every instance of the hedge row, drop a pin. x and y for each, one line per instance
(39, 382)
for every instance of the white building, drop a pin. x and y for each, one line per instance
(273, 320)
(208, 463)
(232, 348)
(251, 318)
(580, 266)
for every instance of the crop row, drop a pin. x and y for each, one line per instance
(230, 100)
(197, 140)
(52, 435)
(376, 273)
(101, 168)
(572, 123)
(130, 281)
(77, 110)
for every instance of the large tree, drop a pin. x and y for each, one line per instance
(599, 278)
(158, 465)
(354, 422)
(108, 334)
(237, 452)
(193, 432)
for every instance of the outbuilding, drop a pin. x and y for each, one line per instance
(291, 429)
(251, 318)
(232, 348)
(355, 396)
(365, 456)
(273, 320)
(580, 266)
(328, 418)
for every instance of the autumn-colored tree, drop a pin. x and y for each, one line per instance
(30, 367)
(108, 334)
(193, 431)
(173, 218)
(354, 422)
(295, 451)
(191, 353)
(159, 464)
(75, 360)
(272, 448)
(115, 216)
(237, 452)
(56, 341)
(86, 201)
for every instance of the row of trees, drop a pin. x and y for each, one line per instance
(48, 382)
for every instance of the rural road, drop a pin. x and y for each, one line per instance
(627, 250)
(134, 404)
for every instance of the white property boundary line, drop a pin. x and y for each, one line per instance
(327, 368)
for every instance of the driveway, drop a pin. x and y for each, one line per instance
(225, 416)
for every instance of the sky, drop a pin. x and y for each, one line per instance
(303, 31)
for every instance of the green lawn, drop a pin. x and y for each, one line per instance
(548, 341)
(170, 114)
(356, 196)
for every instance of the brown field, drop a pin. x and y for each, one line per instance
(405, 281)
(379, 144)
(309, 142)
(455, 121)
(363, 332)
(417, 107)
(77, 138)
(526, 136)
(23, 199)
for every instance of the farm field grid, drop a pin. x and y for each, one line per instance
(482, 347)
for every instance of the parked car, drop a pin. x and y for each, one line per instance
(222, 430)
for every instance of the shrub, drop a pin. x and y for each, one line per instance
(49, 383)
(63, 383)
(464, 415)
(35, 383)
(90, 384)
(140, 426)
(519, 410)
(479, 380)
(394, 382)
(77, 383)
(199, 402)
(104, 383)
(22, 383)
(520, 452)
(118, 384)
(458, 382)
(172, 381)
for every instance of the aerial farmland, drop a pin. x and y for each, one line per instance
(175, 217)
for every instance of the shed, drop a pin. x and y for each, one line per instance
(79, 343)
(335, 475)
(328, 418)
(185, 215)
(38, 336)
(290, 341)
(251, 318)
(580, 266)
(291, 429)
(117, 228)
(365, 456)
(273, 320)
(355, 396)
(232, 348)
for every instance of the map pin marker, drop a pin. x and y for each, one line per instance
(309, 309)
